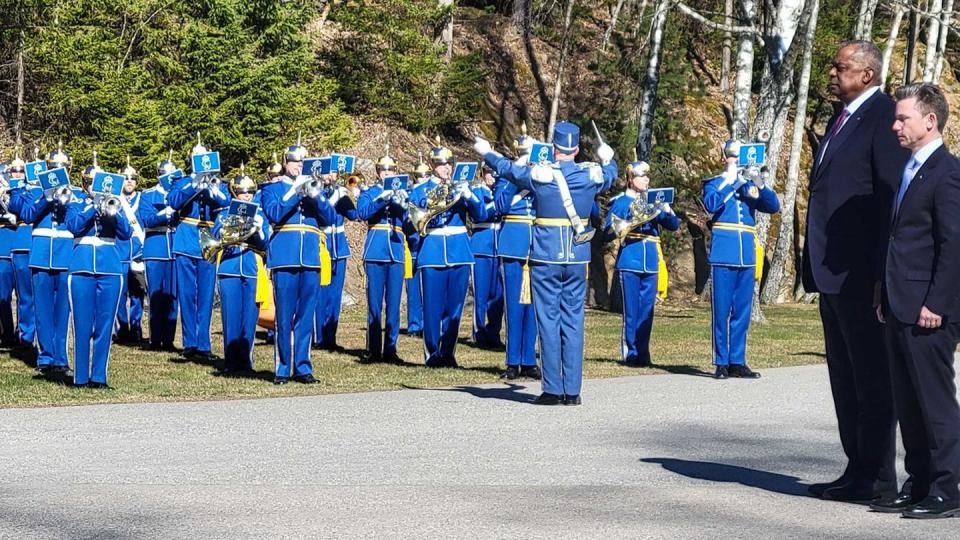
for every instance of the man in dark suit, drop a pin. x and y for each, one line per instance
(921, 308)
(855, 174)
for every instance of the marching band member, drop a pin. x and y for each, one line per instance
(564, 195)
(50, 253)
(414, 295)
(487, 289)
(445, 259)
(733, 202)
(237, 278)
(8, 230)
(195, 199)
(384, 260)
(296, 209)
(638, 264)
(20, 255)
(159, 222)
(514, 244)
(327, 317)
(130, 313)
(275, 173)
(95, 281)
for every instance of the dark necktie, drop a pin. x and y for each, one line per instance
(833, 132)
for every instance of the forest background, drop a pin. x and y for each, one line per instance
(668, 79)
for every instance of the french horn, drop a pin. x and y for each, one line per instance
(640, 212)
(439, 199)
(234, 231)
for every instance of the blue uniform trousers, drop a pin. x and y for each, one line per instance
(295, 297)
(444, 290)
(97, 299)
(26, 314)
(162, 288)
(521, 322)
(414, 302)
(384, 282)
(196, 279)
(639, 296)
(53, 316)
(327, 317)
(239, 310)
(732, 301)
(487, 302)
(559, 292)
(8, 330)
(130, 314)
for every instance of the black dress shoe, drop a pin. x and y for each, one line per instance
(532, 372)
(98, 385)
(306, 379)
(44, 369)
(743, 372)
(817, 489)
(721, 373)
(61, 370)
(933, 507)
(572, 400)
(416, 334)
(281, 380)
(169, 347)
(392, 359)
(548, 399)
(854, 492)
(892, 505)
(512, 372)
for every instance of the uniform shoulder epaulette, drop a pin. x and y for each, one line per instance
(617, 196)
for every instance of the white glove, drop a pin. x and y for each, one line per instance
(258, 221)
(402, 197)
(542, 174)
(482, 146)
(167, 212)
(12, 219)
(385, 194)
(335, 196)
(605, 153)
(666, 208)
(465, 191)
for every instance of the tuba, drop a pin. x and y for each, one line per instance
(439, 200)
(640, 212)
(234, 231)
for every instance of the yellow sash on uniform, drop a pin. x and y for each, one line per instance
(326, 272)
(264, 294)
(662, 278)
(758, 268)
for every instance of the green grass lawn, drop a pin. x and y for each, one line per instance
(680, 344)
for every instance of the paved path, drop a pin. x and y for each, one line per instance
(644, 457)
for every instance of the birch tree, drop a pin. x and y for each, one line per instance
(648, 100)
(614, 16)
(775, 292)
(864, 27)
(946, 17)
(891, 43)
(558, 84)
(447, 34)
(933, 39)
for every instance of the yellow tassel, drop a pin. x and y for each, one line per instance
(662, 277)
(407, 261)
(264, 295)
(758, 268)
(326, 272)
(526, 297)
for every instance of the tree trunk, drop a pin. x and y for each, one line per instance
(521, 15)
(774, 292)
(891, 42)
(727, 44)
(558, 84)
(648, 101)
(913, 33)
(933, 39)
(864, 28)
(744, 80)
(614, 15)
(18, 119)
(447, 35)
(945, 20)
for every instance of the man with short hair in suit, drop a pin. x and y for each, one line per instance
(854, 177)
(921, 308)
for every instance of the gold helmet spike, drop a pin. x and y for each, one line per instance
(36, 152)
(128, 170)
(386, 163)
(274, 169)
(439, 154)
(166, 166)
(199, 148)
(91, 170)
(297, 152)
(422, 170)
(18, 164)
(58, 158)
(243, 183)
(523, 143)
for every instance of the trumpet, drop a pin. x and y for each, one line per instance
(208, 181)
(234, 231)
(62, 195)
(640, 212)
(107, 205)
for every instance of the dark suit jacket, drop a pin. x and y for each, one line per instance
(922, 264)
(851, 192)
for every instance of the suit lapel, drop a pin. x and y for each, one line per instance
(927, 168)
(851, 125)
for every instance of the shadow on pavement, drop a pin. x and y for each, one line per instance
(720, 472)
(512, 392)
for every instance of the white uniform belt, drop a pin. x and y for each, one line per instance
(493, 226)
(53, 233)
(331, 229)
(447, 231)
(94, 241)
(160, 229)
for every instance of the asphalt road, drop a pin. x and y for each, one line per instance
(644, 457)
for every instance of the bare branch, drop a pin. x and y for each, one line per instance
(690, 12)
